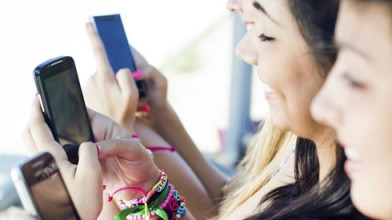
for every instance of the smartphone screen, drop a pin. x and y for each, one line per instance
(63, 104)
(46, 188)
(112, 33)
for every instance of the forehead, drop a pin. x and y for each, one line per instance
(365, 26)
(279, 11)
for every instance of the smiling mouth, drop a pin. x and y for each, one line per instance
(353, 163)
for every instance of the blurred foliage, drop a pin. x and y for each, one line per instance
(185, 61)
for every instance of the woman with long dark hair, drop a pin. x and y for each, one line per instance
(356, 101)
(298, 47)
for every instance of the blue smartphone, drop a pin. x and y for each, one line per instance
(111, 30)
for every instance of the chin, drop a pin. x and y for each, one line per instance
(363, 200)
(279, 121)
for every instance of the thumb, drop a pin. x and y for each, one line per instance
(88, 174)
(126, 82)
(88, 160)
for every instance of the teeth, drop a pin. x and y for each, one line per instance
(268, 89)
(249, 26)
(351, 154)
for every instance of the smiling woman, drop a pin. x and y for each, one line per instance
(356, 101)
(295, 53)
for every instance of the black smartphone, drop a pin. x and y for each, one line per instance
(41, 189)
(112, 33)
(63, 104)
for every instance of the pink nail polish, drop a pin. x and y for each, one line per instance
(88, 25)
(137, 74)
(99, 149)
(145, 108)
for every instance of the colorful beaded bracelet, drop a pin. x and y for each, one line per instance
(168, 205)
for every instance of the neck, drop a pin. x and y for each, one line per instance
(326, 152)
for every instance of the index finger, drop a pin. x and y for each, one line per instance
(99, 51)
(104, 127)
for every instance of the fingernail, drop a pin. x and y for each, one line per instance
(99, 149)
(145, 108)
(104, 187)
(137, 74)
(88, 25)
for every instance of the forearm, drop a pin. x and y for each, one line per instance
(109, 209)
(169, 126)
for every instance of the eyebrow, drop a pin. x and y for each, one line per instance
(261, 9)
(348, 46)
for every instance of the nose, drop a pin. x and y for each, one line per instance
(247, 49)
(234, 5)
(323, 108)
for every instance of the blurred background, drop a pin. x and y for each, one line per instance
(190, 41)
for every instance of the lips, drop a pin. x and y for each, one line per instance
(269, 93)
(353, 163)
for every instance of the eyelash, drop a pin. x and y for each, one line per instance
(264, 37)
(354, 83)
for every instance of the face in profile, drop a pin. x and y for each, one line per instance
(285, 65)
(356, 101)
(247, 47)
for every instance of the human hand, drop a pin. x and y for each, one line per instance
(124, 161)
(155, 82)
(156, 98)
(114, 95)
(83, 181)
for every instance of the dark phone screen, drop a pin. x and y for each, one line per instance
(49, 192)
(112, 33)
(68, 108)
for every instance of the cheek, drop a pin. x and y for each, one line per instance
(371, 192)
(372, 138)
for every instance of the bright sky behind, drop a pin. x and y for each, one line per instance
(32, 31)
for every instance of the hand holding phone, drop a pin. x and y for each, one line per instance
(112, 33)
(114, 95)
(83, 181)
(63, 104)
(119, 154)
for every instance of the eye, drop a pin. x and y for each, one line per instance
(264, 37)
(353, 82)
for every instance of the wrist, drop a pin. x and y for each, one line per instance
(161, 201)
(156, 177)
(162, 117)
(128, 125)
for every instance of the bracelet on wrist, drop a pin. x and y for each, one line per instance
(154, 148)
(161, 201)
